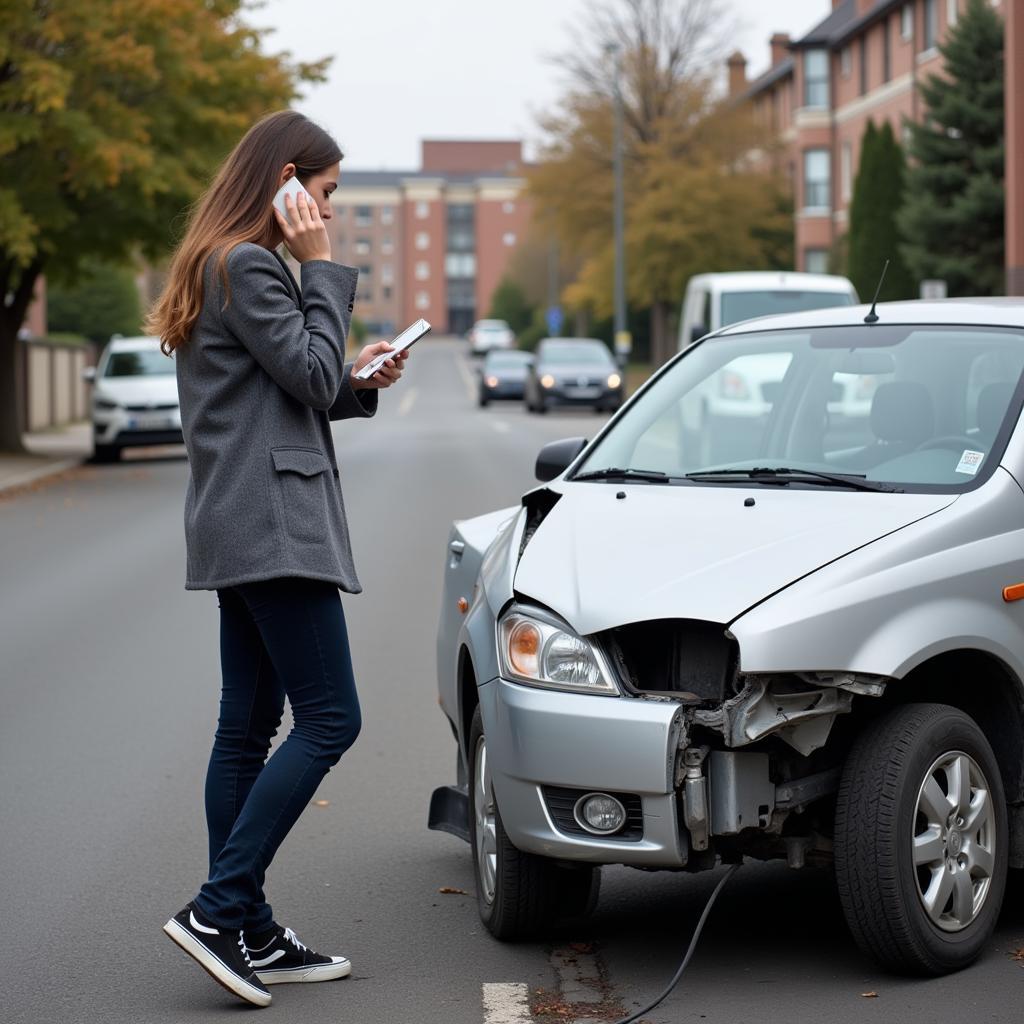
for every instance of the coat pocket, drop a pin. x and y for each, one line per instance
(303, 481)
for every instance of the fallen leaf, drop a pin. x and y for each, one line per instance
(869, 995)
(582, 947)
(450, 891)
(321, 803)
(1018, 955)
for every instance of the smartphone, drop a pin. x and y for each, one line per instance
(290, 188)
(405, 340)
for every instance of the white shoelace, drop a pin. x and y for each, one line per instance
(294, 939)
(245, 952)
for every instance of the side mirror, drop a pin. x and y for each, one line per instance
(557, 456)
(698, 332)
(89, 374)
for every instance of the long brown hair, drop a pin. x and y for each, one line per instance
(236, 208)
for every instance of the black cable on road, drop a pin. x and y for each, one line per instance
(689, 950)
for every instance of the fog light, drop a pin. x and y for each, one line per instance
(599, 813)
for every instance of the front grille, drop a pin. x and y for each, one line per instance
(561, 801)
(152, 408)
(687, 657)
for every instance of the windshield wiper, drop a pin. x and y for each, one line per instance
(785, 475)
(651, 476)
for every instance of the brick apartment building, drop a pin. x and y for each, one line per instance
(864, 60)
(433, 242)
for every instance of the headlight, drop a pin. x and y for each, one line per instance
(614, 380)
(491, 382)
(547, 381)
(104, 403)
(541, 653)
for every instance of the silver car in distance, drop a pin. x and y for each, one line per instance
(796, 634)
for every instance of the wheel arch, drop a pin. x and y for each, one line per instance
(469, 698)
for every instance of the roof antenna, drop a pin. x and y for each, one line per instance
(872, 317)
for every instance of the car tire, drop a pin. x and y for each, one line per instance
(920, 894)
(106, 452)
(519, 894)
(483, 401)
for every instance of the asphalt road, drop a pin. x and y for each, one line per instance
(109, 680)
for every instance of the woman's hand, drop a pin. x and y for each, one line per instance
(304, 231)
(386, 375)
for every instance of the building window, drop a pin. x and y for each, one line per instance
(952, 12)
(460, 264)
(422, 270)
(863, 65)
(362, 246)
(387, 273)
(845, 61)
(816, 261)
(816, 78)
(817, 180)
(931, 25)
(364, 216)
(886, 50)
(365, 294)
(387, 246)
(422, 209)
(508, 206)
(386, 292)
(387, 215)
(422, 240)
(422, 300)
(509, 238)
(847, 171)
(907, 22)
(461, 227)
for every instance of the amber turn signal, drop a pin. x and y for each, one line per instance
(463, 605)
(524, 648)
(1013, 593)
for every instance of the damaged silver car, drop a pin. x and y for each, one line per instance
(791, 632)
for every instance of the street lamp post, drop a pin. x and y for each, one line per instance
(623, 341)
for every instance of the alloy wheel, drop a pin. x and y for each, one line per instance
(486, 836)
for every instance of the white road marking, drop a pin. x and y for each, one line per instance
(505, 1002)
(500, 426)
(467, 377)
(407, 402)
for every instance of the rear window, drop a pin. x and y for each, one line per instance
(150, 362)
(507, 357)
(738, 306)
(575, 352)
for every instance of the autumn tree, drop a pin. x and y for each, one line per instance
(112, 117)
(694, 200)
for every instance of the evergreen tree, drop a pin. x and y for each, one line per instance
(102, 301)
(874, 235)
(953, 215)
(509, 303)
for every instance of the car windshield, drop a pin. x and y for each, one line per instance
(149, 362)
(738, 306)
(507, 359)
(575, 352)
(908, 407)
(492, 325)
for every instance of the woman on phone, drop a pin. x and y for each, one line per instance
(261, 373)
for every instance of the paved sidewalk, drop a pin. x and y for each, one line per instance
(50, 452)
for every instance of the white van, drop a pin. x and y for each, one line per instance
(717, 300)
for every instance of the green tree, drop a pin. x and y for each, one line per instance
(953, 215)
(874, 236)
(103, 300)
(112, 118)
(509, 303)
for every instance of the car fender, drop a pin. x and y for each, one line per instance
(931, 587)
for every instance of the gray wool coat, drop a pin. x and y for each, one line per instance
(259, 381)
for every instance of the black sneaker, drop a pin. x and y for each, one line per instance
(220, 952)
(284, 958)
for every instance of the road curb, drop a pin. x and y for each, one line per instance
(32, 476)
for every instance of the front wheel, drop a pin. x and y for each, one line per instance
(921, 840)
(518, 894)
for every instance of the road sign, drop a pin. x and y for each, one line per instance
(554, 319)
(623, 343)
(933, 289)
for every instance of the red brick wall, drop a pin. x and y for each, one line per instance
(493, 223)
(465, 157)
(434, 225)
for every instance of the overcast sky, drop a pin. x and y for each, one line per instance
(408, 69)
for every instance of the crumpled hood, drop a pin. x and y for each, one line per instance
(695, 552)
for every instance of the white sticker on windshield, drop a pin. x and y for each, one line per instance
(969, 462)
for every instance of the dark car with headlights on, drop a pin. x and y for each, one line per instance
(573, 371)
(504, 374)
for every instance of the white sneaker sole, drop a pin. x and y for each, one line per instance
(342, 968)
(215, 967)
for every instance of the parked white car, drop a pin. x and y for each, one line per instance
(134, 399)
(809, 646)
(485, 335)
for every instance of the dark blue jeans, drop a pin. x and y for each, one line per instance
(278, 638)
